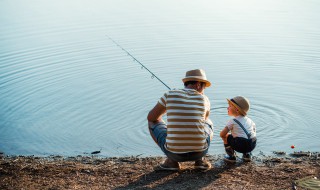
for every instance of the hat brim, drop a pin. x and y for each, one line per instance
(235, 105)
(208, 83)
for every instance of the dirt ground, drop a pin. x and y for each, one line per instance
(91, 172)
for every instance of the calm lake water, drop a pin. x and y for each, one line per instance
(67, 89)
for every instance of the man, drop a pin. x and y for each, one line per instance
(188, 132)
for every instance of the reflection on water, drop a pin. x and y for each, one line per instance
(65, 88)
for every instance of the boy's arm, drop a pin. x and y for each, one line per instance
(224, 132)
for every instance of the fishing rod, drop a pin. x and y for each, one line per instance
(152, 74)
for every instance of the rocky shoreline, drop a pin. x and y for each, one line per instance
(279, 171)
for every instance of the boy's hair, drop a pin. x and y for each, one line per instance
(230, 104)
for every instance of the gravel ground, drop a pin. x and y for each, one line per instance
(280, 171)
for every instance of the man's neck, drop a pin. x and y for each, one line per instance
(192, 87)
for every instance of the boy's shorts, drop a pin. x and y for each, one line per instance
(159, 133)
(241, 144)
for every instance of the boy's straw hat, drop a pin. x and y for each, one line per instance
(196, 75)
(241, 103)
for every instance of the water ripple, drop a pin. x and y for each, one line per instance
(67, 89)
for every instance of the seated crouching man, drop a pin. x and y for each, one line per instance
(188, 132)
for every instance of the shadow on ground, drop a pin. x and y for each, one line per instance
(187, 178)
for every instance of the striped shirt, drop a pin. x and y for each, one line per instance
(186, 111)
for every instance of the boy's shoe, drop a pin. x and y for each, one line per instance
(169, 164)
(231, 159)
(229, 149)
(202, 164)
(246, 157)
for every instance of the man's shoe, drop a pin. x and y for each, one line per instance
(171, 165)
(246, 157)
(202, 164)
(231, 159)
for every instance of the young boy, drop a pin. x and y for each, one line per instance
(243, 130)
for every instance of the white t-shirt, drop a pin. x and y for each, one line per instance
(237, 131)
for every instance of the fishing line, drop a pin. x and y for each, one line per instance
(142, 66)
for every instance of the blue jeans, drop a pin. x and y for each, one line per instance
(158, 132)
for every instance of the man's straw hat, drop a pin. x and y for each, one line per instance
(196, 75)
(241, 103)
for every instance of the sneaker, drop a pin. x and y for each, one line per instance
(229, 150)
(202, 164)
(246, 157)
(231, 159)
(171, 165)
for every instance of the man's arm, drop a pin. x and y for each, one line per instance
(155, 115)
(207, 115)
